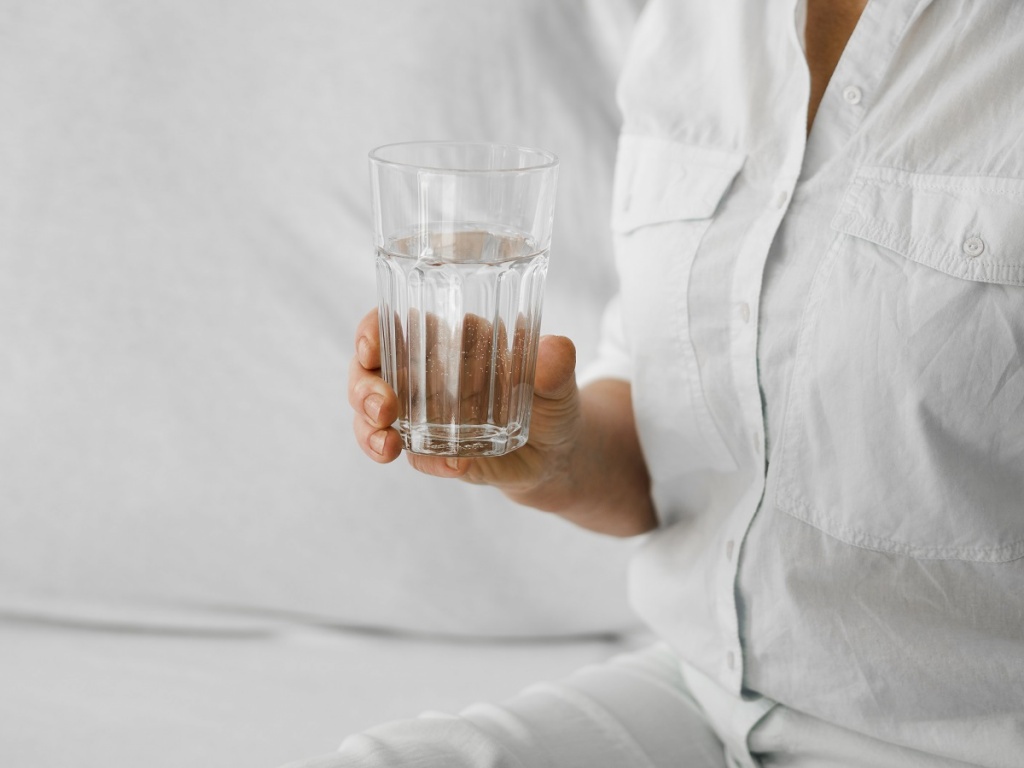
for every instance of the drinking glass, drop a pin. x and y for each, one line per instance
(462, 234)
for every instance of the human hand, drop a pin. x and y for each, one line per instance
(536, 474)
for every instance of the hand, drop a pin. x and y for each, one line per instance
(582, 461)
(536, 474)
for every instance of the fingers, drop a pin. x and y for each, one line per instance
(370, 395)
(439, 466)
(556, 368)
(376, 406)
(374, 402)
(368, 341)
(381, 445)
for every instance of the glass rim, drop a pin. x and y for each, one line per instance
(547, 159)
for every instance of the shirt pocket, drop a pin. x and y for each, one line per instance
(905, 423)
(665, 196)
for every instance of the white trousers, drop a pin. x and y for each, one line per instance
(640, 710)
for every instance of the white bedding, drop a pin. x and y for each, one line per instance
(184, 254)
(185, 251)
(247, 694)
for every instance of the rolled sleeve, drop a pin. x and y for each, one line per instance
(613, 360)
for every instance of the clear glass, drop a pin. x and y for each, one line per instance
(462, 234)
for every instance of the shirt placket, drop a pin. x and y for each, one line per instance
(839, 115)
(746, 290)
(856, 79)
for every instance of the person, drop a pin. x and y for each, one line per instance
(810, 399)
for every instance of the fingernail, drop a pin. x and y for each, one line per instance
(453, 464)
(362, 349)
(371, 406)
(377, 440)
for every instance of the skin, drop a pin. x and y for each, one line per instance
(829, 26)
(583, 460)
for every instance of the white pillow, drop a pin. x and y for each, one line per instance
(184, 254)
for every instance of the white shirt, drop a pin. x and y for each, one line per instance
(824, 336)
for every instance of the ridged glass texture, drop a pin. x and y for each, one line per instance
(459, 323)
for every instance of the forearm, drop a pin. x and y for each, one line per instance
(604, 485)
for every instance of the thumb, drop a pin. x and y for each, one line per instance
(556, 367)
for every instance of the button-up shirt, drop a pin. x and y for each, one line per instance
(824, 334)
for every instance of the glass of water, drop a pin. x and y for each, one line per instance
(462, 232)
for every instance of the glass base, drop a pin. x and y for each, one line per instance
(465, 440)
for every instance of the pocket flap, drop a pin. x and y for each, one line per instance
(971, 227)
(657, 180)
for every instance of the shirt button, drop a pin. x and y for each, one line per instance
(744, 312)
(729, 546)
(852, 94)
(974, 247)
(730, 660)
(781, 198)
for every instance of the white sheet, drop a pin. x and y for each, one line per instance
(185, 251)
(92, 697)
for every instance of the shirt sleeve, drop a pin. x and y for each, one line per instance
(613, 360)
